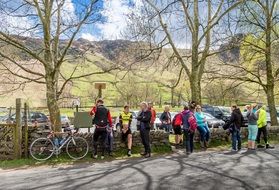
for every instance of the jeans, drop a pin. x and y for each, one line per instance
(144, 134)
(204, 133)
(167, 127)
(252, 132)
(102, 134)
(261, 131)
(189, 140)
(236, 139)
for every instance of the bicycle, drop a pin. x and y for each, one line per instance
(42, 149)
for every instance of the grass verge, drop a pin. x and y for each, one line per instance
(64, 159)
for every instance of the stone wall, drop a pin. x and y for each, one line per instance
(157, 138)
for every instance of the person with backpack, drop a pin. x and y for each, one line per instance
(144, 122)
(234, 125)
(176, 124)
(189, 127)
(202, 127)
(165, 119)
(103, 124)
(125, 120)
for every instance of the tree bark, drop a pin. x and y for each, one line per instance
(195, 85)
(269, 69)
(52, 104)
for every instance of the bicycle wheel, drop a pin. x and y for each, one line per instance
(41, 149)
(77, 148)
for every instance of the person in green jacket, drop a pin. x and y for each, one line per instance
(262, 127)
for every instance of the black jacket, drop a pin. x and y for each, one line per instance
(166, 117)
(236, 118)
(145, 118)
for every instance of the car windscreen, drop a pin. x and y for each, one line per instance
(225, 110)
(208, 116)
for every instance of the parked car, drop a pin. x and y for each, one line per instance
(213, 122)
(65, 121)
(39, 117)
(219, 112)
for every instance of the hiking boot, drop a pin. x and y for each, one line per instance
(95, 156)
(143, 153)
(269, 147)
(148, 155)
(260, 146)
(129, 153)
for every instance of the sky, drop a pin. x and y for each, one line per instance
(113, 23)
(114, 13)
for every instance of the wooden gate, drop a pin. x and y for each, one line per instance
(8, 147)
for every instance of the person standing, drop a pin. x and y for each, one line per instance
(144, 120)
(165, 119)
(262, 128)
(102, 121)
(189, 124)
(125, 120)
(153, 115)
(252, 127)
(202, 127)
(235, 124)
(176, 124)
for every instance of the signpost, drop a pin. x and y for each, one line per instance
(100, 86)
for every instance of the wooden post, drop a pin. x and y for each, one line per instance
(26, 119)
(100, 92)
(18, 130)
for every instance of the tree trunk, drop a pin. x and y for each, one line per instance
(269, 70)
(52, 104)
(172, 97)
(195, 85)
(271, 104)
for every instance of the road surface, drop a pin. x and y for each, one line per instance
(207, 170)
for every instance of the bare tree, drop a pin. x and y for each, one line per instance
(182, 25)
(259, 21)
(53, 29)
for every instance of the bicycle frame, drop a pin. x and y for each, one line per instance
(65, 142)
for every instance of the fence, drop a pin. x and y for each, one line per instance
(14, 136)
(8, 147)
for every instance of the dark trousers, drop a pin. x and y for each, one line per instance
(236, 139)
(102, 134)
(261, 131)
(189, 140)
(144, 134)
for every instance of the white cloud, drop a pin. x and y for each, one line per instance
(89, 37)
(11, 23)
(115, 12)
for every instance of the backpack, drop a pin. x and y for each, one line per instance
(192, 123)
(177, 120)
(189, 122)
(101, 116)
